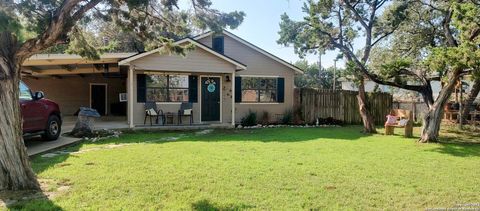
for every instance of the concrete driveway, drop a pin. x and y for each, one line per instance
(36, 145)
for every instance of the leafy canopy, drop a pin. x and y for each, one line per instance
(152, 22)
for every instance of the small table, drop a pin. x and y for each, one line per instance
(169, 116)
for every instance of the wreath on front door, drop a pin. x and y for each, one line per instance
(210, 85)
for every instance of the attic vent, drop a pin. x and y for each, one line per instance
(217, 44)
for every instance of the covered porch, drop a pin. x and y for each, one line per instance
(203, 79)
(115, 123)
(73, 82)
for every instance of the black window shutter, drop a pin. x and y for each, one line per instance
(192, 88)
(238, 89)
(217, 44)
(280, 90)
(141, 88)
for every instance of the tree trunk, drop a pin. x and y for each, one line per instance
(16, 173)
(367, 119)
(470, 99)
(433, 117)
(431, 124)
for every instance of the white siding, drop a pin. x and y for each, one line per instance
(261, 65)
(197, 60)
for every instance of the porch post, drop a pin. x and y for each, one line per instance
(233, 98)
(130, 96)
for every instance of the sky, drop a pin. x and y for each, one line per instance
(261, 25)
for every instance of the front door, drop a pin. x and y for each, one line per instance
(98, 98)
(210, 98)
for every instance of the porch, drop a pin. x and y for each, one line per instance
(119, 123)
(204, 78)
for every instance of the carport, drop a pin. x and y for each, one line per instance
(73, 81)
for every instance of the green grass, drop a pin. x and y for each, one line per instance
(264, 169)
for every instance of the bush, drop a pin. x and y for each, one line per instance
(265, 120)
(250, 119)
(329, 121)
(287, 117)
(298, 117)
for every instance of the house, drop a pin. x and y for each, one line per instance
(223, 77)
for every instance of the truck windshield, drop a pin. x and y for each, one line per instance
(25, 93)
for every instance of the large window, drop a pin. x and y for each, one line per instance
(167, 88)
(262, 90)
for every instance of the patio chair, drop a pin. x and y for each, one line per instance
(186, 109)
(152, 111)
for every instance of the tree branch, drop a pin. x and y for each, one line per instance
(81, 12)
(448, 32)
(59, 26)
(355, 13)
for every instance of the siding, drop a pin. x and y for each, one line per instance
(197, 60)
(74, 92)
(258, 64)
(226, 96)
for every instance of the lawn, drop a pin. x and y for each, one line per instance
(263, 169)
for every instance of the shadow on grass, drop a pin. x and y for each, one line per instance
(205, 205)
(42, 162)
(454, 135)
(458, 149)
(27, 200)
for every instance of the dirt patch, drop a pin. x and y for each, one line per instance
(50, 190)
(204, 132)
(58, 153)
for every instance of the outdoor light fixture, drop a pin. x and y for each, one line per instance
(227, 78)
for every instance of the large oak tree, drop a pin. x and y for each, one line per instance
(28, 27)
(439, 41)
(337, 25)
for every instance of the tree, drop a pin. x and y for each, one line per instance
(438, 41)
(331, 25)
(472, 95)
(32, 26)
(313, 78)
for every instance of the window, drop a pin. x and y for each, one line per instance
(262, 90)
(167, 88)
(218, 44)
(25, 93)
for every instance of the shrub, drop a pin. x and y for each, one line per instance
(250, 119)
(287, 117)
(265, 120)
(329, 121)
(298, 116)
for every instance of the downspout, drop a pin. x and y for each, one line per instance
(130, 96)
(233, 98)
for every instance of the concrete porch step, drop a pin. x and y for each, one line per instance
(183, 127)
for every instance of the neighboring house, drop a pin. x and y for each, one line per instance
(224, 77)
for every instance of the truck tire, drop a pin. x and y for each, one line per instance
(54, 128)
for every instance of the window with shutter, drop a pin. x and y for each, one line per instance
(218, 44)
(260, 89)
(141, 88)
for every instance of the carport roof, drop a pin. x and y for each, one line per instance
(66, 59)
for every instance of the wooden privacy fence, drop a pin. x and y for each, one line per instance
(340, 104)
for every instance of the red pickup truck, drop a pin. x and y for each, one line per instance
(40, 116)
